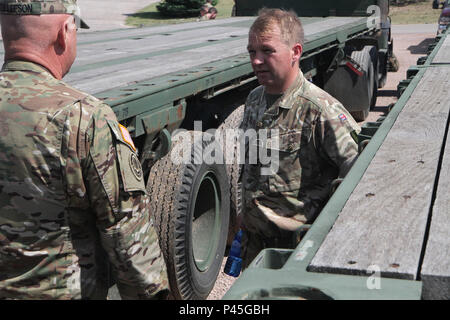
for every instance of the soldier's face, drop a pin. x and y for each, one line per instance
(273, 61)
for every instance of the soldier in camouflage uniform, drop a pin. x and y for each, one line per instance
(316, 138)
(207, 11)
(72, 195)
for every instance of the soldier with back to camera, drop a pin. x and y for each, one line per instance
(72, 195)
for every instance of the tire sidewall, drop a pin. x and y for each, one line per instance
(192, 283)
(202, 281)
(173, 183)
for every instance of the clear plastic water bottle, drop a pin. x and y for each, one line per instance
(234, 262)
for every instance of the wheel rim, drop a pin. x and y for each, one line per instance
(206, 222)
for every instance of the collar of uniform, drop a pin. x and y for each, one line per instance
(286, 100)
(17, 65)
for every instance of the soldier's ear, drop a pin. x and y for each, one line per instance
(61, 39)
(63, 33)
(297, 51)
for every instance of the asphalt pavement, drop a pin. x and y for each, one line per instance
(107, 14)
(414, 28)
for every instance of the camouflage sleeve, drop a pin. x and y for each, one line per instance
(116, 190)
(336, 132)
(245, 118)
(243, 140)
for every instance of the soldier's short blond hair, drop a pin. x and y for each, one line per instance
(291, 28)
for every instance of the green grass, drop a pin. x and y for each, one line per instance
(417, 13)
(150, 16)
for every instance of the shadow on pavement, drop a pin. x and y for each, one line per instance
(383, 109)
(422, 47)
(387, 93)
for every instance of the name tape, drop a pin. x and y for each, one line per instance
(16, 8)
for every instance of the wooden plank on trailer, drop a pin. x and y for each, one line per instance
(97, 53)
(113, 35)
(443, 56)
(113, 76)
(168, 54)
(135, 45)
(383, 223)
(435, 273)
(311, 25)
(328, 25)
(87, 38)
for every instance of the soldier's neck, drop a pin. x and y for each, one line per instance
(280, 88)
(53, 67)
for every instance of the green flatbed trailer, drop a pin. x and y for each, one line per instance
(160, 79)
(384, 234)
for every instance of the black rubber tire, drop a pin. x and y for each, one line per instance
(232, 155)
(353, 91)
(173, 188)
(364, 59)
(376, 76)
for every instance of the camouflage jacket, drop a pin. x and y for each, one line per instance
(310, 142)
(72, 195)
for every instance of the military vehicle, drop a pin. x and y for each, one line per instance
(161, 79)
(444, 17)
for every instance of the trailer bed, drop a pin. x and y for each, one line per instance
(114, 59)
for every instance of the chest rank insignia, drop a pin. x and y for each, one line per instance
(135, 166)
(126, 136)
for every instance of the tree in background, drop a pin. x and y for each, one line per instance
(182, 8)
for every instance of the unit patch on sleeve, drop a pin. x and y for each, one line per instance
(136, 166)
(126, 136)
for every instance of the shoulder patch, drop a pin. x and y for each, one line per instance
(126, 136)
(342, 117)
(135, 166)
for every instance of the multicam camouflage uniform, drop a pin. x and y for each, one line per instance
(72, 195)
(316, 144)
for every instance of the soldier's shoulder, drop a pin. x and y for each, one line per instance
(87, 110)
(319, 98)
(329, 107)
(89, 103)
(76, 94)
(94, 103)
(39, 88)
